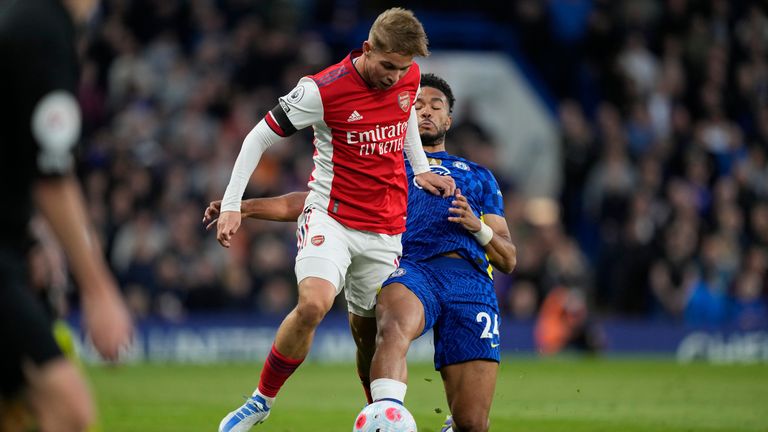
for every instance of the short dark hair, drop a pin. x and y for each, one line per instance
(434, 81)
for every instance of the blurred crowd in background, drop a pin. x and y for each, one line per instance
(662, 108)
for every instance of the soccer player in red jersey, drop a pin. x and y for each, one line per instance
(361, 110)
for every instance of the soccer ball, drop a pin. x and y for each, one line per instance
(384, 416)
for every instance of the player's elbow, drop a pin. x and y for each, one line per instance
(506, 267)
(291, 212)
(286, 215)
(294, 205)
(508, 260)
(511, 258)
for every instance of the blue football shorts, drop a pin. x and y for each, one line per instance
(459, 305)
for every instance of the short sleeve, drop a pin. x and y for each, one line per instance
(47, 104)
(493, 201)
(300, 108)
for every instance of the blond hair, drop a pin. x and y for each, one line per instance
(398, 30)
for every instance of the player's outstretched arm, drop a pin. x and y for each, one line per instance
(283, 208)
(106, 318)
(492, 233)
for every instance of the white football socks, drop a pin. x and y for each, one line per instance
(385, 388)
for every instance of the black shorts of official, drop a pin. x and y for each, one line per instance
(25, 329)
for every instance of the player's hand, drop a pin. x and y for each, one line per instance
(462, 213)
(229, 222)
(439, 185)
(107, 321)
(211, 214)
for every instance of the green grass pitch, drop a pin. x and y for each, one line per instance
(531, 395)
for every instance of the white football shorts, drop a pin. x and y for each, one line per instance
(358, 261)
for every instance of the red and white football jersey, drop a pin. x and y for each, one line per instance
(359, 174)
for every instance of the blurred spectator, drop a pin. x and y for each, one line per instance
(707, 303)
(565, 323)
(750, 308)
(579, 153)
(674, 272)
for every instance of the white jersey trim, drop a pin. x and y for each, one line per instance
(303, 105)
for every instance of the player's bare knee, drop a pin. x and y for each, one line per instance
(65, 408)
(80, 415)
(391, 334)
(311, 311)
(58, 391)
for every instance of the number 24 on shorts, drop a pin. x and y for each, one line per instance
(485, 319)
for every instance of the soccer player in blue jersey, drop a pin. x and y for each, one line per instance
(444, 280)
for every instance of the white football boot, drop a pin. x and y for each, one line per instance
(254, 411)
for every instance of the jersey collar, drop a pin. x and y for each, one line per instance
(356, 74)
(440, 154)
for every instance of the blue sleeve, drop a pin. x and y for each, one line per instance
(493, 201)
